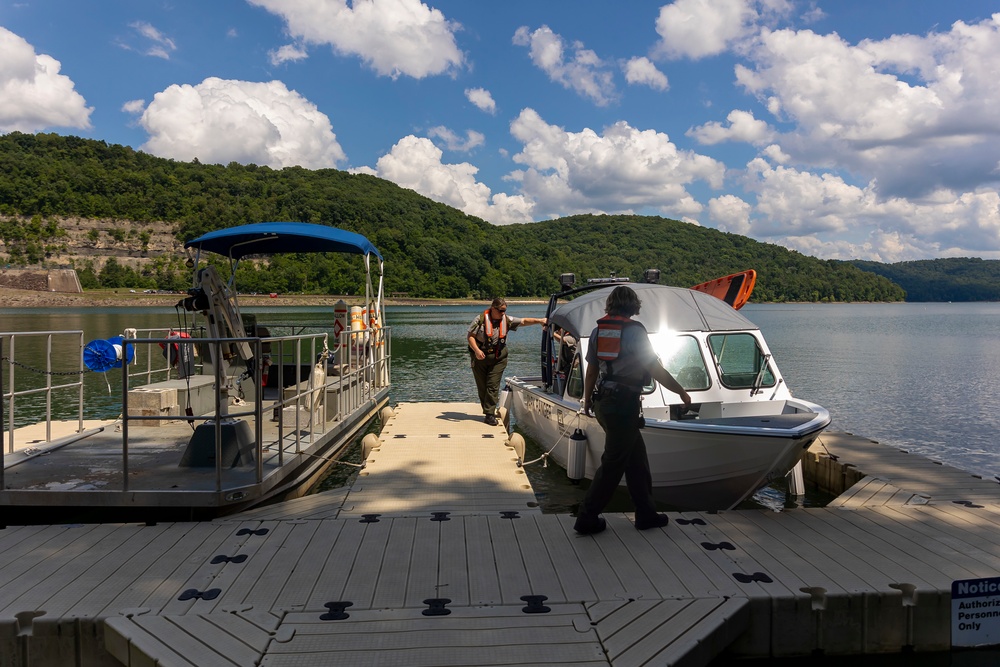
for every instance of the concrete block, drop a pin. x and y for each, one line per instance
(288, 415)
(312, 400)
(152, 401)
(172, 412)
(200, 389)
(152, 398)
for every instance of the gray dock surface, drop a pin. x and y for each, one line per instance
(438, 555)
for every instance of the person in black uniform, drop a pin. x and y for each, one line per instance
(487, 336)
(620, 361)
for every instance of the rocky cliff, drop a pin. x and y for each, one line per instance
(79, 240)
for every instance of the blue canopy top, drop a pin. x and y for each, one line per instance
(272, 238)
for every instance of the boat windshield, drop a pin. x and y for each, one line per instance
(740, 361)
(682, 358)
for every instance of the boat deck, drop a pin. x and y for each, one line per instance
(93, 461)
(168, 472)
(438, 556)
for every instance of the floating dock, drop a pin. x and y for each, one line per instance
(438, 555)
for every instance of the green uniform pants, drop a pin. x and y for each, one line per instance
(488, 374)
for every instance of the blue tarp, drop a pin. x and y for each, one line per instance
(273, 238)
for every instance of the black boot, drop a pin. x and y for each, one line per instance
(654, 521)
(589, 525)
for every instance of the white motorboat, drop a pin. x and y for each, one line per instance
(215, 417)
(743, 431)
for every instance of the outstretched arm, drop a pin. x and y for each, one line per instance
(661, 375)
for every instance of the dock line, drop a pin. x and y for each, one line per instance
(322, 458)
(544, 458)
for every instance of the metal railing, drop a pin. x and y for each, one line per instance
(161, 361)
(31, 361)
(318, 386)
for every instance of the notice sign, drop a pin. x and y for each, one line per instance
(975, 612)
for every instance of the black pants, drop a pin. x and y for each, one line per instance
(624, 454)
(488, 373)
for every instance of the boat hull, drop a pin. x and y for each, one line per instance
(699, 465)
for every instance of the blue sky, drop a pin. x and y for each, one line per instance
(838, 128)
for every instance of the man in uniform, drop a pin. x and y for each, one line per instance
(620, 361)
(487, 336)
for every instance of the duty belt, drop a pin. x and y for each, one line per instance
(616, 388)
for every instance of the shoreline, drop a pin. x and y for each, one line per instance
(13, 298)
(20, 298)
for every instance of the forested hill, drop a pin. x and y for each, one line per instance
(431, 250)
(951, 279)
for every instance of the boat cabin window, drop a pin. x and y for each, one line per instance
(574, 381)
(740, 360)
(681, 356)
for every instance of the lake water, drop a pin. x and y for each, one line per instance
(916, 376)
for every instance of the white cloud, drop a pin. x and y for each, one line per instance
(914, 114)
(642, 71)
(456, 143)
(287, 53)
(221, 121)
(584, 72)
(813, 15)
(134, 106)
(742, 127)
(158, 44)
(776, 155)
(482, 99)
(731, 214)
(394, 37)
(621, 170)
(797, 202)
(821, 214)
(415, 163)
(35, 95)
(700, 28)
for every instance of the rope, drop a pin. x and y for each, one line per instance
(322, 458)
(833, 457)
(544, 458)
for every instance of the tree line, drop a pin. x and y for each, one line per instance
(431, 249)
(948, 279)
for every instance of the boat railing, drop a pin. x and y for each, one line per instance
(162, 361)
(222, 429)
(298, 389)
(39, 354)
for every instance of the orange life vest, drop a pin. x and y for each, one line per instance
(175, 354)
(488, 331)
(609, 336)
